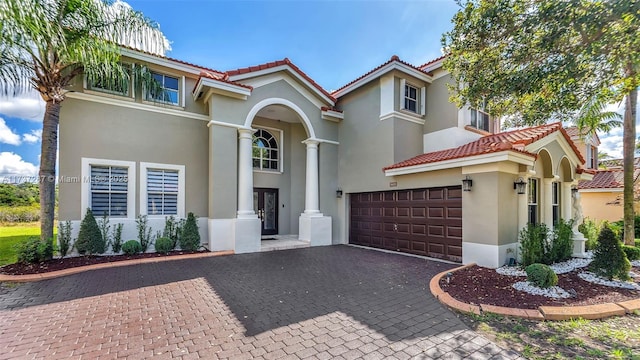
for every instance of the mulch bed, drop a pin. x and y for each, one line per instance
(477, 285)
(71, 262)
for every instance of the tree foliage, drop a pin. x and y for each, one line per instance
(24, 194)
(46, 44)
(532, 61)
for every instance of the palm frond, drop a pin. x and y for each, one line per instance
(593, 116)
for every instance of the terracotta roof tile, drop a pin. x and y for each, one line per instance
(277, 63)
(394, 58)
(173, 59)
(617, 163)
(514, 140)
(432, 61)
(326, 108)
(573, 132)
(607, 179)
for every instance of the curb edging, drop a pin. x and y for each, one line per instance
(105, 265)
(551, 313)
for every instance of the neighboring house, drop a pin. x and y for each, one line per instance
(265, 150)
(602, 197)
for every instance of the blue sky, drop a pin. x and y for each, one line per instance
(334, 42)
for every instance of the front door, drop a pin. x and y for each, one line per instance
(265, 201)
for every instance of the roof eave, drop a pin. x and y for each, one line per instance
(395, 65)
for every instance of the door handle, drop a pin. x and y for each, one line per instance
(395, 227)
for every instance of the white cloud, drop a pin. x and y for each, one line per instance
(7, 135)
(15, 170)
(28, 106)
(33, 137)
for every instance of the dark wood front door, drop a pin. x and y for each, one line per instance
(265, 202)
(418, 221)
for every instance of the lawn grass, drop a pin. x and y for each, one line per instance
(13, 234)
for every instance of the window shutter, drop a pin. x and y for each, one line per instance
(403, 82)
(423, 100)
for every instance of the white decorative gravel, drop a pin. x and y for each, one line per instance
(555, 292)
(593, 278)
(559, 268)
(635, 263)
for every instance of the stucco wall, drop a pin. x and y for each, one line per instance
(441, 113)
(223, 172)
(600, 206)
(102, 131)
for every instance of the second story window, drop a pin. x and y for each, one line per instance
(410, 98)
(118, 86)
(265, 151)
(592, 157)
(167, 90)
(480, 119)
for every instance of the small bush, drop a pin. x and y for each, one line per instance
(34, 251)
(173, 230)
(116, 237)
(533, 244)
(590, 231)
(105, 242)
(609, 260)
(64, 237)
(562, 242)
(190, 238)
(144, 232)
(164, 245)
(89, 238)
(620, 226)
(632, 252)
(19, 214)
(131, 247)
(541, 275)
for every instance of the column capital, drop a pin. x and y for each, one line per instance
(311, 142)
(246, 133)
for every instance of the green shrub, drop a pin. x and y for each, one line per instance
(632, 252)
(34, 250)
(190, 238)
(619, 225)
(589, 229)
(131, 247)
(541, 275)
(116, 237)
(533, 244)
(105, 242)
(89, 238)
(164, 245)
(173, 229)
(562, 241)
(64, 237)
(609, 260)
(144, 232)
(19, 214)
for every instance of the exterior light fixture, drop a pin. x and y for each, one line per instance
(467, 183)
(520, 186)
(339, 193)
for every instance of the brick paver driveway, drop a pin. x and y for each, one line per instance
(318, 303)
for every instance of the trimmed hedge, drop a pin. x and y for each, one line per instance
(541, 275)
(164, 245)
(131, 247)
(632, 252)
(34, 251)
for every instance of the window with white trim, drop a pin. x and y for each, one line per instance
(265, 152)
(532, 201)
(480, 119)
(592, 157)
(410, 98)
(162, 189)
(167, 91)
(555, 202)
(109, 190)
(162, 192)
(120, 86)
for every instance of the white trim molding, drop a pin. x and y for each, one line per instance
(417, 118)
(601, 190)
(394, 65)
(220, 88)
(272, 78)
(279, 101)
(507, 155)
(85, 186)
(144, 166)
(168, 110)
(332, 115)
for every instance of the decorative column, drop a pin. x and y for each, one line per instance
(546, 199)
(311, 195)
(245, 174)
(566, 200)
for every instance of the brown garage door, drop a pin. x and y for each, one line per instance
(417, 221)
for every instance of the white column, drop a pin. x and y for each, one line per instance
(311, 195)
(245, 174)
(545, 202)
(566, 201)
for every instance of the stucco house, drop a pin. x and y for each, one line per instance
(385, 161)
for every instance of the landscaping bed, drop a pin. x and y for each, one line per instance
(71, 262)
(477, 285)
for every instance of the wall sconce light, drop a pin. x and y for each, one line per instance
(520, 186)
(467, 183)
(339, 193)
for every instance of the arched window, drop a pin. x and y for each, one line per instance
(265, 151)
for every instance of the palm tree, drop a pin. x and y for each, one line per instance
(45, 44)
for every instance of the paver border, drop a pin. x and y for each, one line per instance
(592, 312)
(79, 269)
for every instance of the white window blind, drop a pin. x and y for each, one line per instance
(162, 192)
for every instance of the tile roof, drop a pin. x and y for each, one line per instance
(617, 163)
(327, 108)
(220, 77)
(432, 61)
(202, 68)
(607, 179)
(514, 140)
(573, 132)
(394, 58)
(277, 63)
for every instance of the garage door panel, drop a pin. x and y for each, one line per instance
(418, 221)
